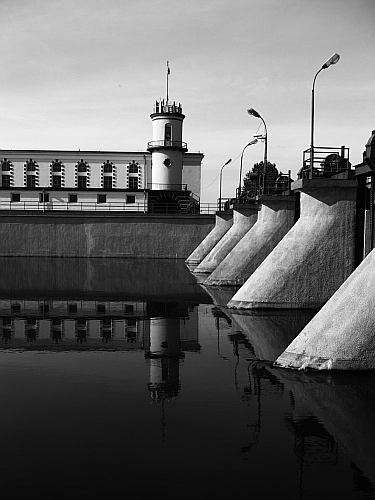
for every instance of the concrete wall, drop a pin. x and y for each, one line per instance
(314, 258)
(102, 235)
(223, 222)
(275, 218)
(243, 220)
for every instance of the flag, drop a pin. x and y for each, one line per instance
(168, 69)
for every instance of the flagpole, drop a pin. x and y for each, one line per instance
(168, 71)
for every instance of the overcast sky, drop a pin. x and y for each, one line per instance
(85, 74)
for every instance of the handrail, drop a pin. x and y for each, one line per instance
(89, 207)
(164, 144)
(328, 161)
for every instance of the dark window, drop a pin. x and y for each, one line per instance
(43, 197)
(5, 181)
(72, 198)
(44, 308)
(133, 182)
(30, 166)
(168, 132)
(107, 168)
(102, 198)
(5, 167)
(30, 181)
(14, 197)
(15, 307)
(82, 167)
(56, 167)
(129, 308)
(72, 308)
(82, 182)
(133, 169)
(130, 199)
(100, 309)
(131, 322)
(56, 181)
(107, 182)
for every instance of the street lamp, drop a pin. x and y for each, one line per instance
(252, 112)
(221, 177)
(254, 141)
(332, 60)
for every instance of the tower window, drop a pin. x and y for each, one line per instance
(107, 168)
(30, 181)
(133, 168)
(168, 132)
(56, 181)
(82, 167)
(5, 166)
(107, 182)
(5, 181)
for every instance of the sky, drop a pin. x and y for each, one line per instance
(84, 74)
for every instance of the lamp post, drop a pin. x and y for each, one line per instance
(252, 112)
(254, 141)
(221, 177)
(332, 60)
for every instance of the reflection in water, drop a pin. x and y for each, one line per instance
(82, 362)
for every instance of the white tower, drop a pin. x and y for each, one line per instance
(167, 146)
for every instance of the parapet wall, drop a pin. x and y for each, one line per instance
(102, 235)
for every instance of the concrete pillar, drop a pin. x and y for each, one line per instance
(243, 219)
(314, 258)
(223, 223)
(276, 217)
(341, 336)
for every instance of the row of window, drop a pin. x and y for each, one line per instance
(57, 166)
(82, 182)
(72, 198)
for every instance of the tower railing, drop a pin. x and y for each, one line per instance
(167, 144)
(328, 161)
(167, 187)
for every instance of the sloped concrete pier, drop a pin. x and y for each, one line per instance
(275, 218)
(244, 219)
(223, 222)
(314, 258)
(341, 336)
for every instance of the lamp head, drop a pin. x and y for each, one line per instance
(226, 163)
(254, 141)
(332, 60)
(252, 112)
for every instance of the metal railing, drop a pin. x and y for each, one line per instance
(168, 144)
(90, 207)
(84, 206)
(327, 161)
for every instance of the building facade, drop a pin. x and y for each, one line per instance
(165, 178)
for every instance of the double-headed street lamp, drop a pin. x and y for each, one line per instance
(254, 141)
(332, 60)
(252, 112)
(221, 177)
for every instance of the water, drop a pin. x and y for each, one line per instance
(127, 379)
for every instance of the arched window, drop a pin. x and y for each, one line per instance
(82, 167)
(133, 168)
(57, 174)
(168, 132)
(6, 177)
(31, 174)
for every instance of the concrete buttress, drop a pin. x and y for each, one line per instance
(341, 336)
(276, 217)
(244, 219)
(314, 258)
(223, 222)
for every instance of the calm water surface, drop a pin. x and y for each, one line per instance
(127, 379)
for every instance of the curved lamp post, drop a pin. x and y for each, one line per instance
(221, 177)
(252, 112)
(332, 60)
(254, 141)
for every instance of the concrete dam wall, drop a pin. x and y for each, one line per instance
(102, 235)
